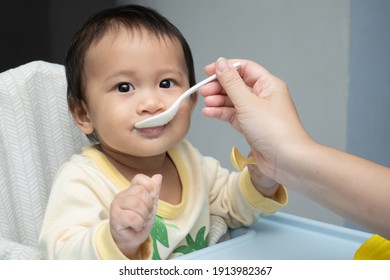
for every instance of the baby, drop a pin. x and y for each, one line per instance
(140, 193)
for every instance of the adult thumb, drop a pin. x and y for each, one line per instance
(231, 81)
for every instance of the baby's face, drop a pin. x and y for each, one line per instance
(130, 76)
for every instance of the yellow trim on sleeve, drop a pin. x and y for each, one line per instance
(107, 249)
(257, 200)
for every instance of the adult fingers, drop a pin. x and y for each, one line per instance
(233, 84)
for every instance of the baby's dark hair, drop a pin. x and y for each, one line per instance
(132, 17)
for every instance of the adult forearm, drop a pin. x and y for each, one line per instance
(353, 187)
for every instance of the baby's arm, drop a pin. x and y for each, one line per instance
(132, 213)
(265, 185)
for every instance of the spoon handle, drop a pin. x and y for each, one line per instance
(196, 87)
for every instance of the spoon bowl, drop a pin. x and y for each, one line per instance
(166, 116)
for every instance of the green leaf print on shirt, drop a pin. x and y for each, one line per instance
(200, 242)
(159, 233)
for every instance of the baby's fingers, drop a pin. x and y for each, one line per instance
(130, 220)
(151, 184)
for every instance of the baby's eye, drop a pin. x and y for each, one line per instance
(167, 84)
(125, 87)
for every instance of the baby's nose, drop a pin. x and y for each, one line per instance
(151, 102)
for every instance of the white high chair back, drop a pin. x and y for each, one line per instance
(37, 134)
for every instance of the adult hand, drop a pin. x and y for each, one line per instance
(257, 104)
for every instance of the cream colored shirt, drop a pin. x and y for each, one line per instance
(76, 224)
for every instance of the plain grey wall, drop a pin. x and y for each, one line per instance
(369, 100)
(304, 42)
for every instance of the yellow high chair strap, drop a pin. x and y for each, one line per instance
(239, 161)
(375, 248)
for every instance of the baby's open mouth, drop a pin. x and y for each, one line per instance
(153, 131)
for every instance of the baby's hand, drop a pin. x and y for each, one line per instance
(262, 183)
(133, 211)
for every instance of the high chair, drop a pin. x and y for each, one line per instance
(37, 135)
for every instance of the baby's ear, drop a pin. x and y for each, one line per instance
(80, 114)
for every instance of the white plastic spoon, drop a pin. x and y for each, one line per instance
(166, 116)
